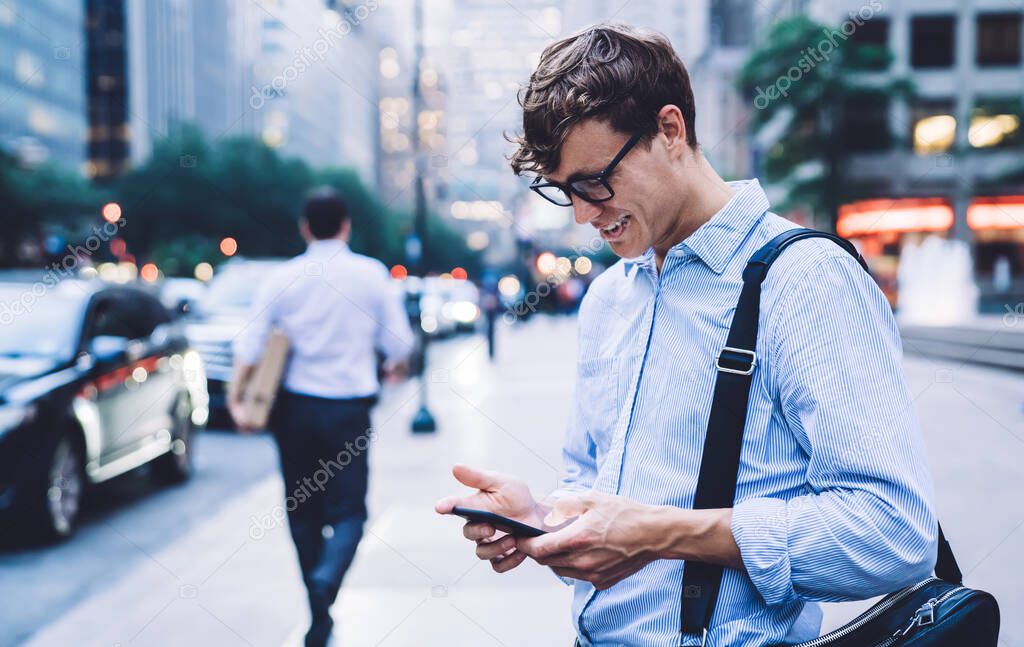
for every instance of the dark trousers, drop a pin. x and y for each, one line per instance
(323, 446)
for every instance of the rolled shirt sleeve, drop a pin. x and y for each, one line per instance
(866, 524)
(248, 345)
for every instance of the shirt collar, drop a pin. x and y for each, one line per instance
(326, 246)
(717, 240)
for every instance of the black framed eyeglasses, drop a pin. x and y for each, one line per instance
(592, 188)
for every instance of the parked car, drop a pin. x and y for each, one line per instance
(446, 305)
(178, 294)
(217, 318)
(95, 380)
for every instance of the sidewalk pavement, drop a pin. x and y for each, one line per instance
(415, 581)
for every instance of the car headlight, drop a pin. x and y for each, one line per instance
(14, 415)
(465, 312)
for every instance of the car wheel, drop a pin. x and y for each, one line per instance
(65, 487)
(176, 465)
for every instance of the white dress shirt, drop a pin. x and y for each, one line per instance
(337, 308)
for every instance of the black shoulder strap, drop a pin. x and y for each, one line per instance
(716, 484)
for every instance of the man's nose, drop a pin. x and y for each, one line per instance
(584, 211)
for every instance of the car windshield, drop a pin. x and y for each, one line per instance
(234, 287)
(37, 320)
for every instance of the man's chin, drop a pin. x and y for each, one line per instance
(627, 249)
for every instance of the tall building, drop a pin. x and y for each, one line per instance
(315, 91)
(946, 162)
(188, 62)
(487, 51)
(395, 67)
(107, 89)
(723, 115)
(684, 23)
(42, 81)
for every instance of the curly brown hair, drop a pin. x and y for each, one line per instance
(607, 71)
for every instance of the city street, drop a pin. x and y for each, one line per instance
(211, 563)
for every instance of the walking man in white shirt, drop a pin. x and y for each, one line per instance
(338, 310)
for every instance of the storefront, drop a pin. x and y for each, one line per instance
(882, 228)
(997, 223)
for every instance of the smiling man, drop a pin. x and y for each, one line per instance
(833, 499)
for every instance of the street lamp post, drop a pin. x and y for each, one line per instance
(423, 421)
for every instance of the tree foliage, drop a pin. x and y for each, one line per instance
(810, 86)
(36, 200)
(190, 194)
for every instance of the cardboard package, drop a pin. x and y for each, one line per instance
(258, 399)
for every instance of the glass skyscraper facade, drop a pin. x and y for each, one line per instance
(42, 81)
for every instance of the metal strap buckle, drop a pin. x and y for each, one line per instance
(738, 351)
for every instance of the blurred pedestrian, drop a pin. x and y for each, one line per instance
(338, 310)
(490, 303)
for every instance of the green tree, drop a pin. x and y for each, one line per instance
(190, 194)
(39, 199)
(816, 88)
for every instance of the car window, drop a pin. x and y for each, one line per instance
(131, 315)
(39, 325)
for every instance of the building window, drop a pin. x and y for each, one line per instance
(932, 41)
(866, 122)
(933, 126)
(874, 36)
(995, 123)
(28, 70)
(998, 39)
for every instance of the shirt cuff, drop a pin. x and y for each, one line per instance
(761, 529)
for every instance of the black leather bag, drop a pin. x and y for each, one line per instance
(937, 611)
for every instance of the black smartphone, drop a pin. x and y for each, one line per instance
(511, 526)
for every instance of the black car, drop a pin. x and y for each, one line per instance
(95, 380)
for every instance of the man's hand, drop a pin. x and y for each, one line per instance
(237, 411)
(395, 372)
(610, 540)
(500, 494)
(241, 374)
(613, 537)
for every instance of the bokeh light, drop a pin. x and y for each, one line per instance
(228, 246)
(204, 271)
(111, 212)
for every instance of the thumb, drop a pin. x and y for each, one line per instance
(479, 479)
(567, 507)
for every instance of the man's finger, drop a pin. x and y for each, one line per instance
(478, 531)
(508, 563)
(495, 549)
(445, 505)
(544, 546)
(479, 479)
(560, 560)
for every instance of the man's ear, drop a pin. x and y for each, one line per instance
(304, 231)
(672, 126)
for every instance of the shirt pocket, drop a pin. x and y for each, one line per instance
(598, 399)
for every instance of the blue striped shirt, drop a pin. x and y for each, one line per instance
(833, 500)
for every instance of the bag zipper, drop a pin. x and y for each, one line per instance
(869, 615)
(925, 615)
